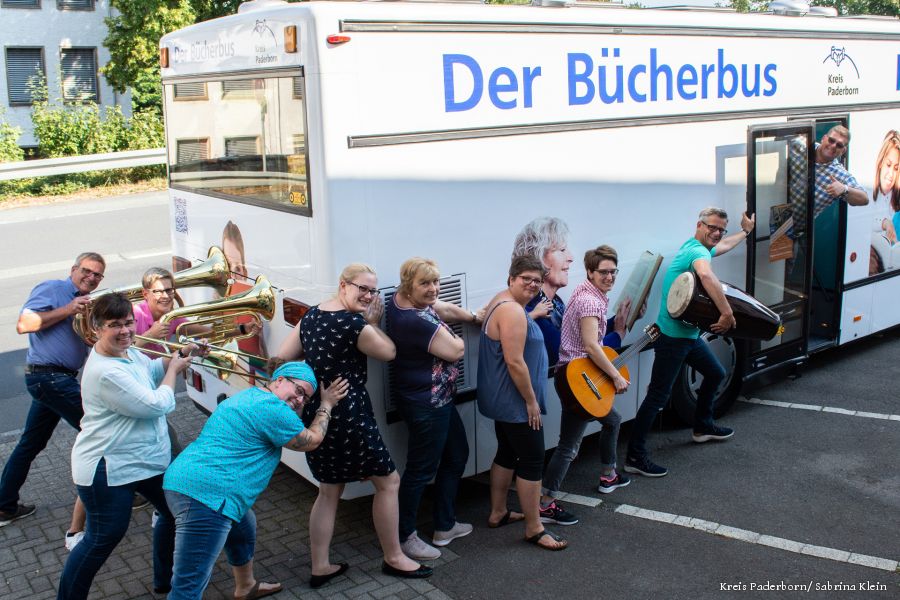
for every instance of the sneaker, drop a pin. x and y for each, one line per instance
(712, 433)
(22, 511)
(416, 549)
(153, 519)
(139, 502)
(644, 466)
(556, 514)
(72, 539)
(442, 538)
(613, 482)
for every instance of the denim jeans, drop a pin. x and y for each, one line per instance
(571, 432)
(200, 535)
(670, 354)
(55, 396)
(437, 448)
(108, 516)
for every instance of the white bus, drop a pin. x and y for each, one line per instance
(329, 133)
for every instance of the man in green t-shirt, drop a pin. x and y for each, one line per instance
(679, 343)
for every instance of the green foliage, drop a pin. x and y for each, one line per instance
(211, 9)
(863, 7)
(9, 141)
(133, 43)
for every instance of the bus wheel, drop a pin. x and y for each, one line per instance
(684, 392)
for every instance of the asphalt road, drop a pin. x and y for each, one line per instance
(799, 497)
(41, 242)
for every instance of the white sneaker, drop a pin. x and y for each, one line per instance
(72, 539)
(416, 549)
(442, 538)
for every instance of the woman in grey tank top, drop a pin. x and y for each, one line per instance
(512, 372)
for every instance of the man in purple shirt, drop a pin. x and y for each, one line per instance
(55, 355)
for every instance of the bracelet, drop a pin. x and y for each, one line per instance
(182, 354)
(323, 411)
(474, 316)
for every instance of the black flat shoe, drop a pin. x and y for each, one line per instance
(316, 581)
(421, 573)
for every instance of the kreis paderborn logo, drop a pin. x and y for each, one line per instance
(843, 64)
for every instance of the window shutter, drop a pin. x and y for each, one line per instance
(79, 74)
(190, 90)
(241, 146)
(21, 65)
(75, 4)
(192, 150)
(20, 3)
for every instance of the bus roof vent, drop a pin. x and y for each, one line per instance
(790, 8)
(823, 11)
(259, 5)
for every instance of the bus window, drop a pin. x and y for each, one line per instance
(240, 139)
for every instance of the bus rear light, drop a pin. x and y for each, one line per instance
(857, 318)
(335, 39)
(164, 58)
(180, 264)
(290, 39)
(293, 311)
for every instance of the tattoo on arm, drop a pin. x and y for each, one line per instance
(302, 441)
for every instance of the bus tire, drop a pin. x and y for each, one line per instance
(684, 391)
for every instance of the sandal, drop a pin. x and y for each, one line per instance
(507, 519)
(256, 593)
(536, 540)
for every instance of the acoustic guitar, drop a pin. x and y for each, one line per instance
(593, 390)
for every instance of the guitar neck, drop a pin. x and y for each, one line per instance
(636, 347)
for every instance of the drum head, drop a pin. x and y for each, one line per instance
(680, 294)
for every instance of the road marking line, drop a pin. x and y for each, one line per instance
(63, 266)
(818, 408)
(752, 537)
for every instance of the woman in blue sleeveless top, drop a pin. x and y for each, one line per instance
(512, 373)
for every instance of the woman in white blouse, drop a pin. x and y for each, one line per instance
(123, 446)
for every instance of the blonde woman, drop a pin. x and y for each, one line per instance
(336, 338)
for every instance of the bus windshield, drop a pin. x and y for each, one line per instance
(240, 139)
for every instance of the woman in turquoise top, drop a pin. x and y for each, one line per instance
(512, 375)
(211, 486)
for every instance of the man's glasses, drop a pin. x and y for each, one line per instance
(364, 290)
(531, 280)
(715, 228)
(89, 273)
(835, 143)
(607, 272)
(163, 292)
(119, 324)
(298, 390)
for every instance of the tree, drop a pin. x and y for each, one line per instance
(211, 9)
(863, 7)
(133, 43)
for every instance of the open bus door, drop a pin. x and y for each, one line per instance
(780, 185)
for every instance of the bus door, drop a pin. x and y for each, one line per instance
(780, 180)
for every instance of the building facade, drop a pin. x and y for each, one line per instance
(61, 40)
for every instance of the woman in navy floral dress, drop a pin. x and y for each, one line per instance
(335, 338)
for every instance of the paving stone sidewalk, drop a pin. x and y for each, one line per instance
(32, 552)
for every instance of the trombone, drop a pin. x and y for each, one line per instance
(187, 340)
(221, 359)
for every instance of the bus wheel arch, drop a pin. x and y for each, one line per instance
(684, 392)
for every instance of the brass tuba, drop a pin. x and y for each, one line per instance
(221, 314)
(220, 359)
(213, 272)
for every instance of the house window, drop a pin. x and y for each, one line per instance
(192, 150)
(238, 88)
(20, 3)
(75, 4)
(190, 91)
(22, 64)
(79, 74)
(241, 146)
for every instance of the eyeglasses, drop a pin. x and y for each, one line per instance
(89, 273)
(163, 292)
(715, 228)
(607, 272)
(364, 290)
(119, 325)
(298, 389)
(531, 280)
(835, 143)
